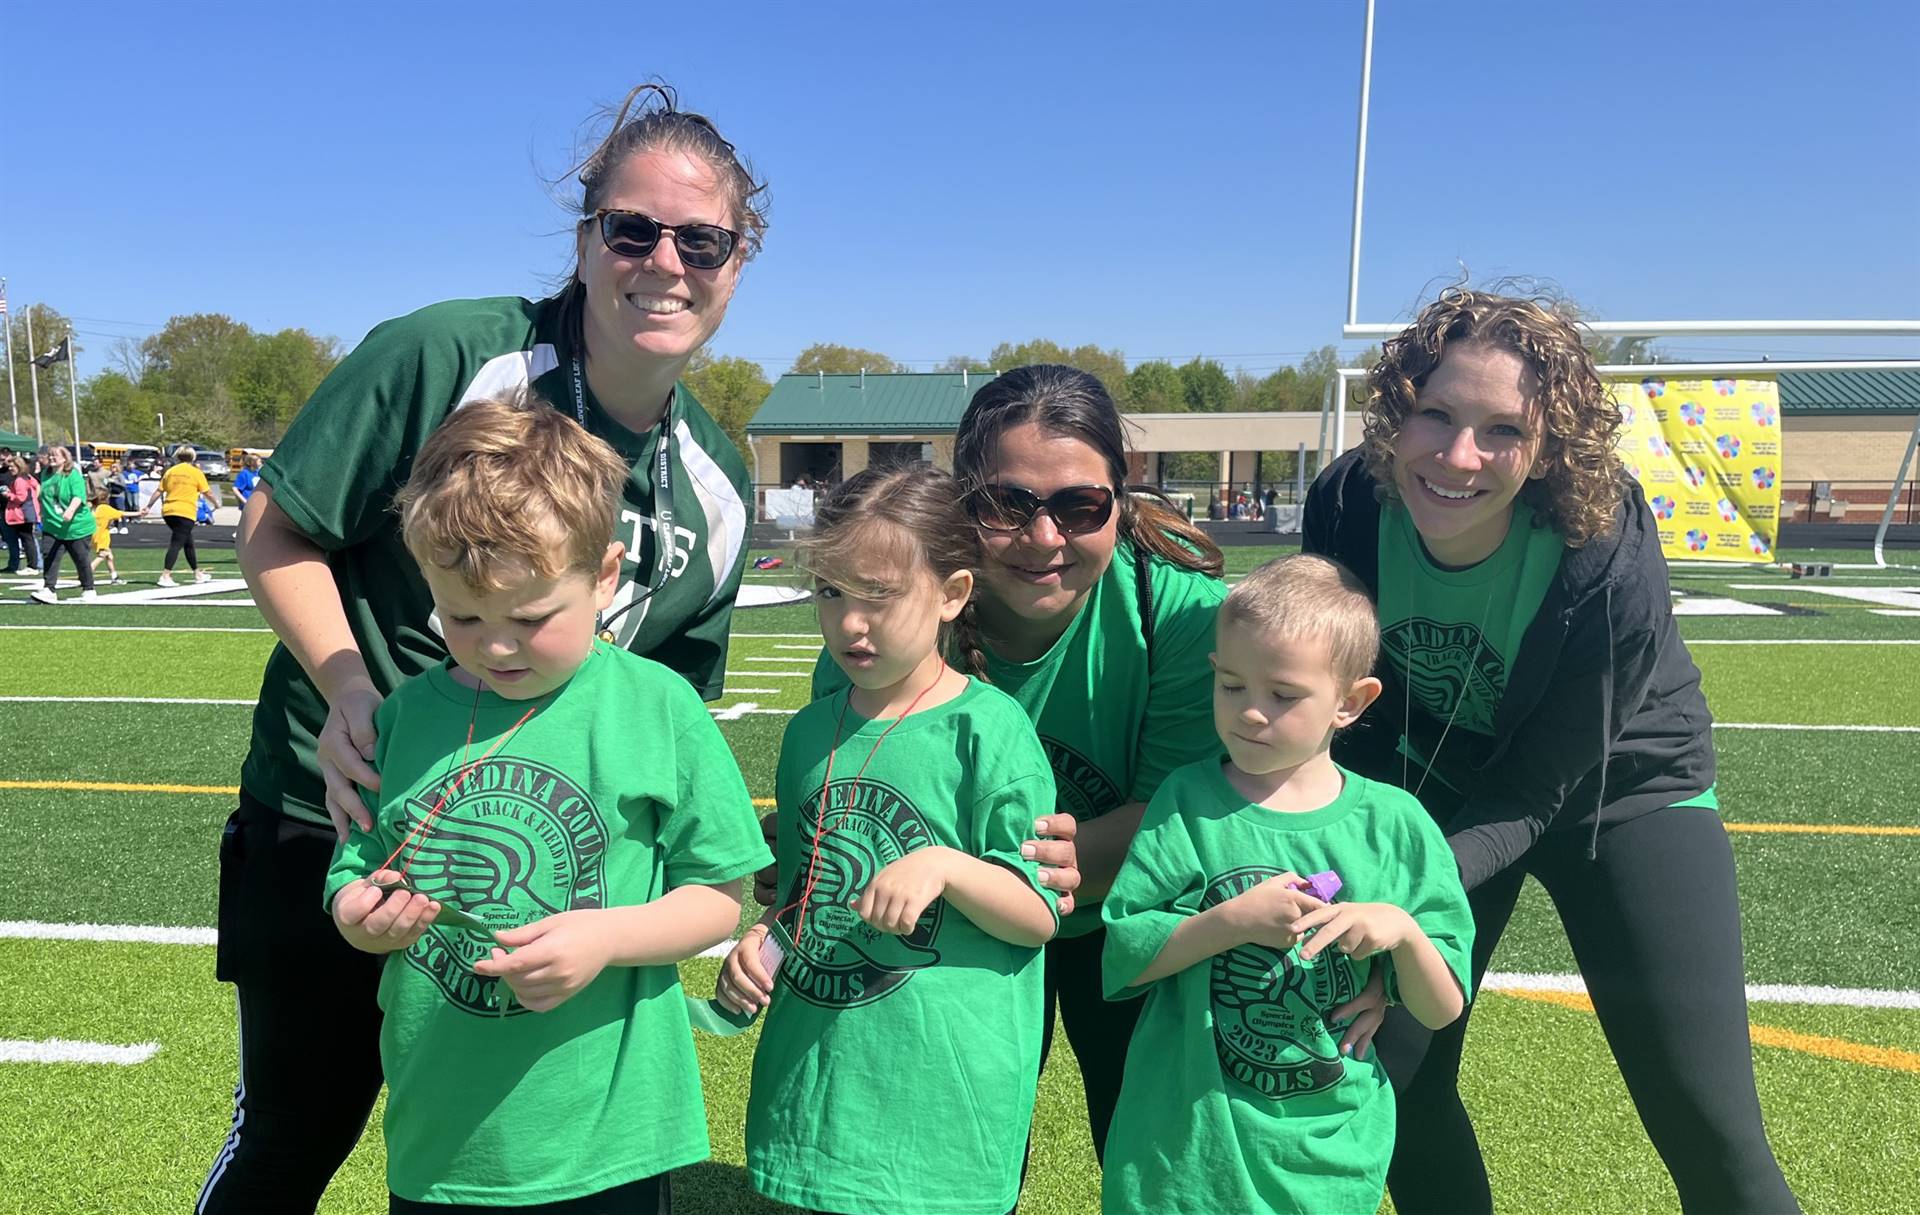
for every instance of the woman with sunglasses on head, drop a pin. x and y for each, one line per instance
(1540, 702)
(669, 214)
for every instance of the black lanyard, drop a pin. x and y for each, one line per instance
(663, 541)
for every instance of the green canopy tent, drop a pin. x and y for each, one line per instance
(13, 442)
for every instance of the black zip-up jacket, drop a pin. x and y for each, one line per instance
(1602, 717)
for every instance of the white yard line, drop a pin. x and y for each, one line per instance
(1788, 725)
(60, 1050)
(1777, 993)
(147, 934)
(1691, 642)
(122, 700)
(778, 658)
(768, 674)
(1768, 993)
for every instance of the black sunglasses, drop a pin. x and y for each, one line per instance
(631, 234)
(1008, 508)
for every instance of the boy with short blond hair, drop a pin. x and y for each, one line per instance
(559, 824)
(1237, 1094)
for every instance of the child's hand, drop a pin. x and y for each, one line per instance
(745, 986)
(552, 958)
(1359, 929)
(893, 901)
(378, 920)
(1266, 914)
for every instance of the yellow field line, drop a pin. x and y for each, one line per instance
(1818, 829)
(1890, 1058)
(107, 786)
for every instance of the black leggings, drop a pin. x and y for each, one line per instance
(309, 1023)
(82, 552)
(1098, 1030)
(1654, 923)
(182, 530)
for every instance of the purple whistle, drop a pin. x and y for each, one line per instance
(1322, 886)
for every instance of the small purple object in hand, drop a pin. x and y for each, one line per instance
(1323, 885)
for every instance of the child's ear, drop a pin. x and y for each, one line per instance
(954, 593)
(607, 583)
(1363, 693)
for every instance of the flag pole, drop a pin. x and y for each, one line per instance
(12, 399)
(73, 394)
(33, 377)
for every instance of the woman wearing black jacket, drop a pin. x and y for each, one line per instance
(1541, 704)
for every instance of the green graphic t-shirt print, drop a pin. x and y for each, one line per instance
(1452, 635)
(1270, 1008)
(837, 960)
(515, 843)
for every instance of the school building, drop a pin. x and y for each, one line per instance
(1844, 433)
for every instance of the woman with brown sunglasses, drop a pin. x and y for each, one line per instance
(668, 214)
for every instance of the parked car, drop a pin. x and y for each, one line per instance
(211, 463)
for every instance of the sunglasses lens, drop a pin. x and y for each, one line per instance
(629, 233)
(1002, 508)
(703, 246)
(1083, 509)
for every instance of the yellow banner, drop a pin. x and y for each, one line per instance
(1707, 453)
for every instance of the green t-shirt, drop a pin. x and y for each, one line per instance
(1453, 634)
(351, 448)
(1111, 727)
(1236, 1097)
(897, 1073)
(56, 490)
(617, 790)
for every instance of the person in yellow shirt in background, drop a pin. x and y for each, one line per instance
(181, 488)
(106, 519)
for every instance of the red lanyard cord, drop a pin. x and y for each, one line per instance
(853, 790)
(418, 836)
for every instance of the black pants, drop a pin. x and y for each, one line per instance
(21, 540)
(182, 540)
(1654, 923)
(647, 1196)
(82, 552)
(1098, 1030)
(309, 1024)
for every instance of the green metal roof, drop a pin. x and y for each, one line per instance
(1850, 392)
(912, 404)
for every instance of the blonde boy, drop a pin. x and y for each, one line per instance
(559, 822)
(1237, 1095)
(106, 520)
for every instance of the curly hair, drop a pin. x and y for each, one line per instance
(1580, 492)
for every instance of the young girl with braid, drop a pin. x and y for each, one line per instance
(908, 928)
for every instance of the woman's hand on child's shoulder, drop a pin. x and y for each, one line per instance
(1358, 929)
(1059, 857)
(552, 958)
(745, 986)
(903, 889)
(378, 920)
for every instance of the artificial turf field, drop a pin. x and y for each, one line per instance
(1818, 786)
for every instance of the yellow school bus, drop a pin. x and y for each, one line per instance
(113, 455)
(237, 456)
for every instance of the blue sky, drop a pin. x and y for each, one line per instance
(1170, 182)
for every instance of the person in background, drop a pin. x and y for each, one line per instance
(182, 489)
(105, 516)
(66, 521)
(246, 478)
(16, 492)
(130, 481)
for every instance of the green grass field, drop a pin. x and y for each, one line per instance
(1826, 833)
